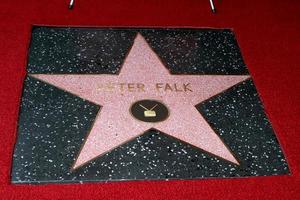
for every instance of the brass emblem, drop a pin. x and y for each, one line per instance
(148, 112)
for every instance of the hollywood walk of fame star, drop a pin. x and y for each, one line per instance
(143, 76)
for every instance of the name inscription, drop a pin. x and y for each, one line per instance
(141, 87)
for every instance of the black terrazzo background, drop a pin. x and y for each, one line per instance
(53, 123)
(77, 50)
(86, 50)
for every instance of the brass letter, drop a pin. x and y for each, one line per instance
(168, 87)
(185, 86)
(177, 89)
(158, 86)
(140, 87)
(122, 86)
(130, 87)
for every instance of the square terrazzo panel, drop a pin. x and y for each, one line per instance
(112, 104)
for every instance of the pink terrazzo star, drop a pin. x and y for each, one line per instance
(114, 124)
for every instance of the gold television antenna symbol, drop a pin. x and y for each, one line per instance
(149, 112)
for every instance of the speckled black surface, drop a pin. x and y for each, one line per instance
(53, 123)
(69, 50)
(85, 50)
